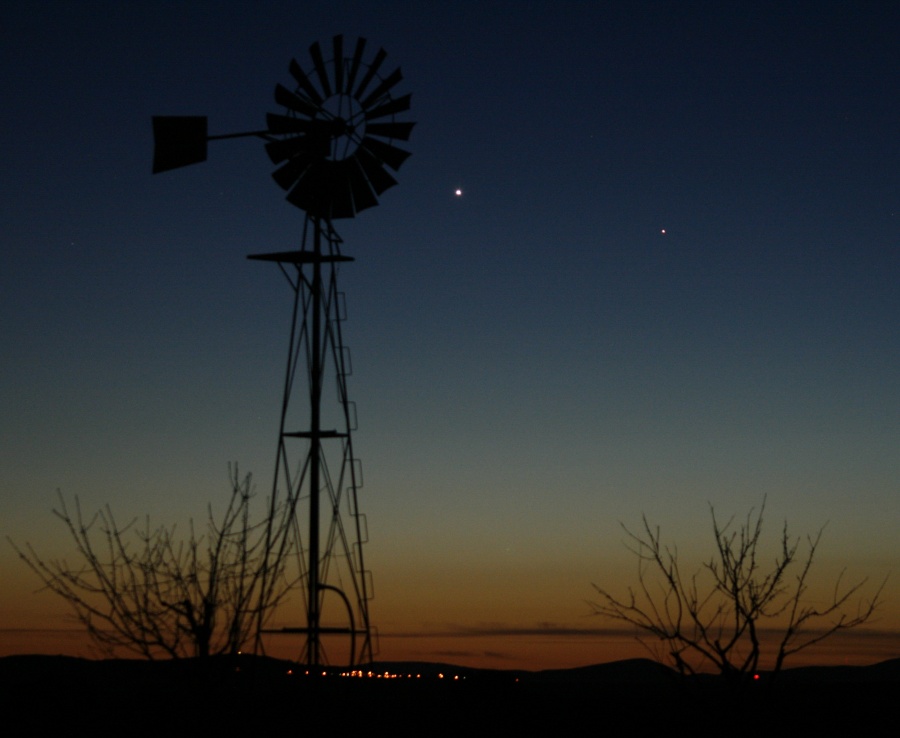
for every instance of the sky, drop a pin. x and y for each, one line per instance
(670, 283)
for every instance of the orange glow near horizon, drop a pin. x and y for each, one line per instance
(506, 652)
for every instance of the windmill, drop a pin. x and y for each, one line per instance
(333, 146)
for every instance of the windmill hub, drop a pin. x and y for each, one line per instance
(345, 124)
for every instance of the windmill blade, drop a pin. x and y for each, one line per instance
(178, 141)
(398, 105)
(379, 179)
(395, 130)
(363, 197)
(293, 101)
(338, 46)
(313, 145)
(280, 124)
(354, 64)
(283, 149)
(338, 190)
(373, 70)
(308, 193)
(382, 88)
(288, 174)
(301, 195)
(383, 152)
(319, 63)
(303, 81)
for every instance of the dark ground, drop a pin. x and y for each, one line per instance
(54, 693)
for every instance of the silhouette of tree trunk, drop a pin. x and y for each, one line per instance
(144, 591)
(719, 614)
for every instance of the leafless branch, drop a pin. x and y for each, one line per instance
(716, 616)
(148, 592)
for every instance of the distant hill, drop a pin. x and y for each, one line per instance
(52, 694)
(23, 669)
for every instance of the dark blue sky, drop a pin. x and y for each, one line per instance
(533, 361)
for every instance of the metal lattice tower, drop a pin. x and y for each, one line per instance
(317, 475)
(333, 145)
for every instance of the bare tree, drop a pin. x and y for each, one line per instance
(145, 591)
(725, 613)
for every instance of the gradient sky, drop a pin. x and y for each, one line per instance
(534, 361)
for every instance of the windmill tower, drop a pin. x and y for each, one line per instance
(333, 146)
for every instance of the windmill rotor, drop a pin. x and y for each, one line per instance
(335, 141)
